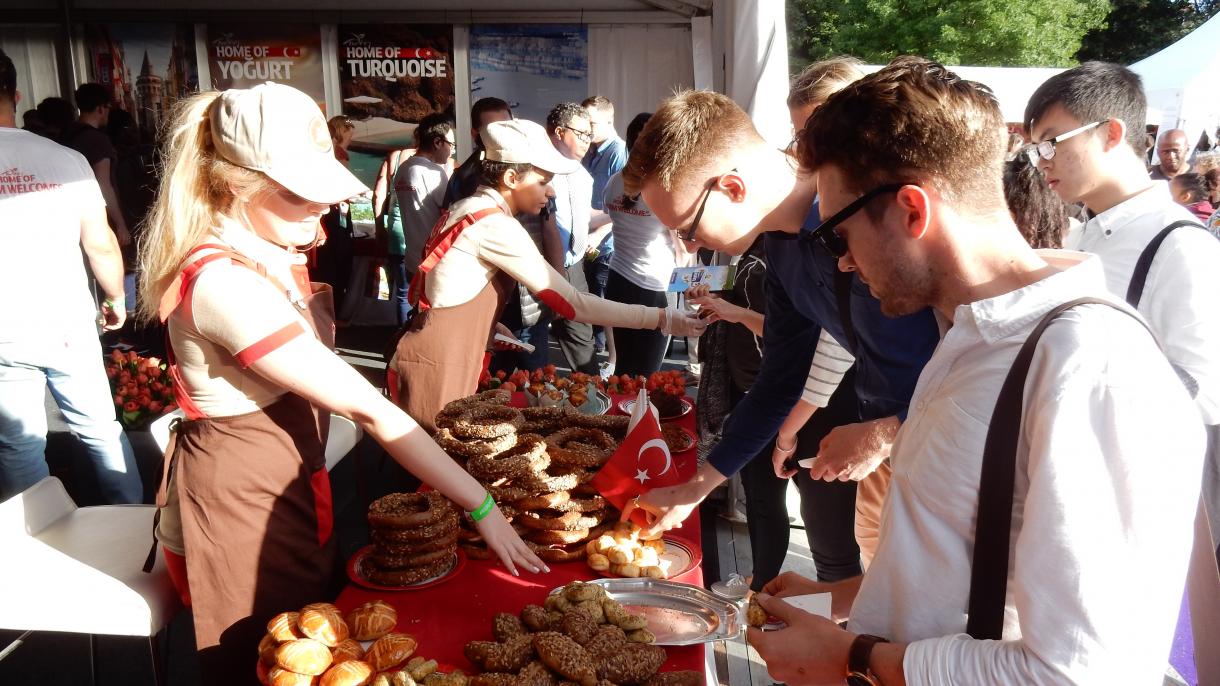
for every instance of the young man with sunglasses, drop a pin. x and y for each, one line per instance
(567, 235)
(909, 168)
(704, 170)
(1087, 123)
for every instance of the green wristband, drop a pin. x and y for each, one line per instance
(485, 509)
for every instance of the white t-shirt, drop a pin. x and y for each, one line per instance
(419, 186)
(45, 190)
(643, 246)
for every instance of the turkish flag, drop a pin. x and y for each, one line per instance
(641, 463)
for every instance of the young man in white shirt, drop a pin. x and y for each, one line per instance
(908, 162)
(1087, 123)
(419, 186)
(51, 209)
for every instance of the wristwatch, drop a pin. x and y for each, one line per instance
(858, 673)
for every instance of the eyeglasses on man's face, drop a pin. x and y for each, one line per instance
(586, 136)
(1046, 148)
(688, 235)
(827, 234)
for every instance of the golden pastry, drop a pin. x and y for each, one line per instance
(348, 673)
(278, 676)
(372, 620)
(566, 657)
(283, 627)
(323, 625)
(348, 650)
(303, 656)
(390, 651)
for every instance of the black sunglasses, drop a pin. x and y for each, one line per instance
(689, 235)
(828, 238)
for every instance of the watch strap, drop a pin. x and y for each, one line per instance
(858, 656)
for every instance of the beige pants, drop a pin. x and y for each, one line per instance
(870, 496)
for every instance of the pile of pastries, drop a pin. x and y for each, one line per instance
(414, 538)
(626, 550)
(580, 636)
(537, 463)
(318, 646)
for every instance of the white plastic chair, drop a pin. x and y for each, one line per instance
(79, 570)
(344, 435)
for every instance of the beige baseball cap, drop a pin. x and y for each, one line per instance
(521, 141)
(279, 131)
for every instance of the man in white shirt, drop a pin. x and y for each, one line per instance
(571, 133)
(50, 209)
(1088, 125)
(419, 186)
(909, 162)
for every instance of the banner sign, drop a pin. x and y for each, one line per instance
(395, 72)
(245, 55)
(532, 66)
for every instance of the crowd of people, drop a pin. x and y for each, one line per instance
(901, 272)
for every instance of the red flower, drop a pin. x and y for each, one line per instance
(158, 386)
(132, 356)
(155, 406)
(118, 400)
(131, 406)
(508, 386)
(142, 379)
(112, 372)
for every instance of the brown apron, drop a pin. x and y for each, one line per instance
(441, 351)
(256, 509)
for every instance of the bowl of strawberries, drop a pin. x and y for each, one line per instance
(666, 392)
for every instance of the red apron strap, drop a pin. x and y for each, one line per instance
(323, 503)
(439, 244)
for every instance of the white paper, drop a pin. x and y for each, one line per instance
(813, 603)
(512, 341)
(807, 462)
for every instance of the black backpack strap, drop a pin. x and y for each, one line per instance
(843, 296)
(993, 525)
(1135, 289)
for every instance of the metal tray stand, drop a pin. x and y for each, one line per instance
(678, 614)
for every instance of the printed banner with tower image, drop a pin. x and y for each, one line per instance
(245, 55)
(532, 66)
(146, 66)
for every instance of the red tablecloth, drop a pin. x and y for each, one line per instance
(445, 617)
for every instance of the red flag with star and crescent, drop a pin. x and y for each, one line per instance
(641, 463)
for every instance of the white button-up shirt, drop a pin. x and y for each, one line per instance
(1106, 488)
(1179, 298)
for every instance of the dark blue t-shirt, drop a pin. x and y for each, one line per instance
(890, 351)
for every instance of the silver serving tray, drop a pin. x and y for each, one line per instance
(678, 614)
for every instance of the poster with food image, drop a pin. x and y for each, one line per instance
(532, 66)
(245, 55)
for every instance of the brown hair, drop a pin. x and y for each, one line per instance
(820, 80)
(912, 121)
(683, 139)
(598, 102)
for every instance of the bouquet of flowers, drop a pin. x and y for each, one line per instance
(141, 386)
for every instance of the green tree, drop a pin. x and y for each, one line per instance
(975, 32)
(1136, 29)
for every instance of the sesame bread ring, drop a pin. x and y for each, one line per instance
(526, 457)
(577, 447)
(469, 447)
(549, 482)
(544, 501)
(584, 489)
(487, 421)
(552, 413)
(613, 424)
(391, 547)
(508, 493)
(550, 520)
(558, 553)
(408, 576)
(409, 510)
(558, 537)
(441, 529)
(477, 551)
(389, 561)
(587, 504)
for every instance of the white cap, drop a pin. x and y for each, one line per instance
(279, 131)
(520, 141)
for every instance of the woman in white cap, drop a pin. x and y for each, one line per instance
(472, 259)
(246, 523)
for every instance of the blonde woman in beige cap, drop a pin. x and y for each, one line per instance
(473, 258)
(246, 513)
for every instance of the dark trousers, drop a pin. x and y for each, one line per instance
(576, 338)
(596, 274)
(397, 271)
(827, 508)
(638, 351)
(335, 256)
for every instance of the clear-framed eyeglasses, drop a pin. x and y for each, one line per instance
(1046, 149)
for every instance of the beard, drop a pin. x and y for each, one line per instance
(900, 285)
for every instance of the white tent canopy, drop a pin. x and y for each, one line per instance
(1180, 81)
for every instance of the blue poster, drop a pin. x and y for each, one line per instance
(532, 66)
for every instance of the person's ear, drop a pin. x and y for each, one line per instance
(915, 205)
(511, 179)
(732, 185)
(1115, 133)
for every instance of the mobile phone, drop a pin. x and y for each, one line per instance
(792, 464)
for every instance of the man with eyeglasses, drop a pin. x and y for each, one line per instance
(706, 172)
(566, 235)
(1088, 126)
(909, 169)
